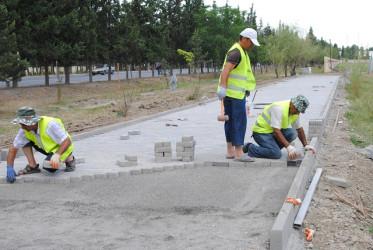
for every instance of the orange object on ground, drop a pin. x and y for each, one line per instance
(294, 201)
(309, 232)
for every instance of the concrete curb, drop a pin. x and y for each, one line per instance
(139, 170)
(282, 228)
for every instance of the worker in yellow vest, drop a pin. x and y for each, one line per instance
(272, 132)
(47, 135)
(235, 83)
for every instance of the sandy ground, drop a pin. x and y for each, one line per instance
(182, 209)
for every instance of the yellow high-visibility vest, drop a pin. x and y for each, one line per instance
(48, 144)
(241, 78)
(262, 124)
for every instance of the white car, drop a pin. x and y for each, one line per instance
(102, 69)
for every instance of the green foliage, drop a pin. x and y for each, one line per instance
(360, 113)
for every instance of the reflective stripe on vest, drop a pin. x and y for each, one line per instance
(262, 124)
(49, 145)
(240, 78)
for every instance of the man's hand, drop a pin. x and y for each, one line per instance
(292, 153)
(55, 160)
(308, 147)
(10, 174)
(222, 93)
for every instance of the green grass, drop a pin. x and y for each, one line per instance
(360, 113)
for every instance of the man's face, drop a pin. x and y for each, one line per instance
(248, 44)
(293, 110)
(29, 128)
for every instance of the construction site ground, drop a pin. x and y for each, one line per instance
(188, 205)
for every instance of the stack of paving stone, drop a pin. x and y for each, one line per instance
(129, 161)
(163, 151)
(185, 148)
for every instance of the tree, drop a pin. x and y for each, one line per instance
(12, 68)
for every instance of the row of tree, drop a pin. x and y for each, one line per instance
(43, 33)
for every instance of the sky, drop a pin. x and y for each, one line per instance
(343, 22)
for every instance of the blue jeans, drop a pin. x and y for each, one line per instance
(235, 127)
(268, 146)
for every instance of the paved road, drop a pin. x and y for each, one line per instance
(80, 78)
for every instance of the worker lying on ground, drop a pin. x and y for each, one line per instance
(47, 135)
(271, 130)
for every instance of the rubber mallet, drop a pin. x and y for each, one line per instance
(222, 117)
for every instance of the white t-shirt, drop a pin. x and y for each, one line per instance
(276, 114)
(54, 130)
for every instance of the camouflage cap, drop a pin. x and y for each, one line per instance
(300, 102)
(27, 116)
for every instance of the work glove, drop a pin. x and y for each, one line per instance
(308, 147)
(292, 153)
(10, 174)
(222, 93)
(55, 160)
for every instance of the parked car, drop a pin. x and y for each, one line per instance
(102, 69)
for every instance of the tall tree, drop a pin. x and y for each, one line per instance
(12, 68)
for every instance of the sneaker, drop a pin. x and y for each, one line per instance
(70, 165)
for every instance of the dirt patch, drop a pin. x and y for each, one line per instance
(339, 225)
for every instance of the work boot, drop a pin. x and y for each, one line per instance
(245, 147)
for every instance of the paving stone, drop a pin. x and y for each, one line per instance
(220, 164)
(199, 164)
(88, 177)
(134, 132)
(59, 180)
(169, 168)
(112, 175)
(236, 164)
(189, 165)
(336, 181)
(28, 179)
(158, 169)
(124, 173)
(75, 179)
(135, 171)
(125, 137)
(166, 144)
(2, 180)
(126, 163)
(163, 159)
(41, 179)
(130, 157)
(147, 170)
(178, 167)
(186, 158)
(187, 138)
(100, 176)
(278, 164)
(208, 163)
(19, 179)
(79, 160)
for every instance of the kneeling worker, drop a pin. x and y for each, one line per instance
(271, 130)
(47, 135)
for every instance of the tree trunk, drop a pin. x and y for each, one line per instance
(46, 76)
(15, 83)
(67, 75)
(90, 71)
(140, 71)
(126, 71)
(276, 71)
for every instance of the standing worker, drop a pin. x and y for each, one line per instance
(235, 83)
(271, 130)
(47, 135)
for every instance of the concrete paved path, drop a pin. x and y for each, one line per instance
(102, 148)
